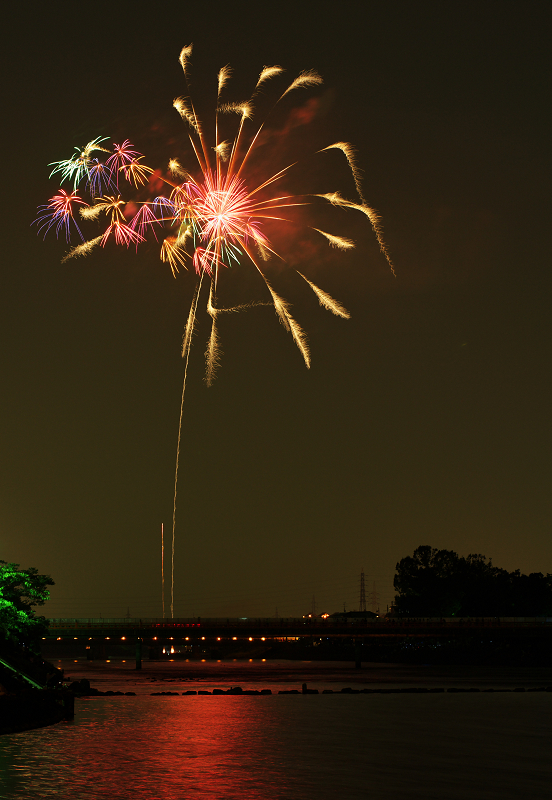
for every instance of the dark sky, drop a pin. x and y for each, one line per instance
(425, 419)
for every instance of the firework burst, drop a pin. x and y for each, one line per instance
(209, 221)
(210, 217)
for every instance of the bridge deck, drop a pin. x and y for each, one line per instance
(199, 628)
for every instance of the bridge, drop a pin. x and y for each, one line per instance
(341, 637)
(255, 629)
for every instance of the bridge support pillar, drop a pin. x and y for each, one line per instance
(138, 653)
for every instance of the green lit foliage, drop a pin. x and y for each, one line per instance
(440, 583)
(20, 590)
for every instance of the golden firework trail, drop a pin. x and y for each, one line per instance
(162, 572)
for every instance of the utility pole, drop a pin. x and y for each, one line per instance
(362, 601)
(313, 611)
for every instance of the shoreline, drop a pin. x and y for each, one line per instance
(35, 709)
(181, 676)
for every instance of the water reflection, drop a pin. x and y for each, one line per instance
(287, 747)
(204, 747)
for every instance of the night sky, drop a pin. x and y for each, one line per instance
(425, 419)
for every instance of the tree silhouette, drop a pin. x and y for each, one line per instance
(441, 583)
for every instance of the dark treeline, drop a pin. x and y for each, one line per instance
(441, 583)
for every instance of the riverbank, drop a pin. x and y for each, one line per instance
(34, 709)
(180, 676)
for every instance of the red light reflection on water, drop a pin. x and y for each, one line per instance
(287, 748)
(209, 747)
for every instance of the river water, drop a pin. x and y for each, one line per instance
(275, 747)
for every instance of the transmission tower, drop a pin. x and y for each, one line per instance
(374, 599)
(362, 601)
